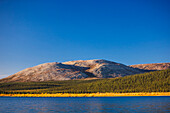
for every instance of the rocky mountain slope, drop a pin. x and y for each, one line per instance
(154, 66)
(46, 72)
(72, 70)
(104, 68)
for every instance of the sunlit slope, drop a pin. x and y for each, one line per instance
(72, 70)
(153, 66)
(158, 81)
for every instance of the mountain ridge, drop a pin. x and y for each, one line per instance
(78, 69)
(152, 66)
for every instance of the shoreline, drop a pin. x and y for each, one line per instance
(88, 94)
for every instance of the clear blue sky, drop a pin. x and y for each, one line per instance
(125, 31)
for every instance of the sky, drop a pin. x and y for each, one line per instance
(33, 32)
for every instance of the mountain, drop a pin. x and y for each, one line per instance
(72, 70)
(156, 81)
(104, 68)
(46, 72)
(153, 66)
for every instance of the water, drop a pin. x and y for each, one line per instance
(84, 104)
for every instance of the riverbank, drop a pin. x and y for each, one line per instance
(88, 94)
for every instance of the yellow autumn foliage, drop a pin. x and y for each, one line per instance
(89, 94)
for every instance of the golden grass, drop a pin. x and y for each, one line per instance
(89, 94)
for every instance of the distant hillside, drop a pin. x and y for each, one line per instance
(154, 66)
(157, 81)
(72, 70)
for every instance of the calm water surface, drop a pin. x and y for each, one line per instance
(84, 104)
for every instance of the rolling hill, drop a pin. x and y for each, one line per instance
(153, 66)
(72, 70)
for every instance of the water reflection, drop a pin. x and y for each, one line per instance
(85, 104)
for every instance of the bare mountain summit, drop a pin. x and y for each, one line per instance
(72, 70)
(104, 68)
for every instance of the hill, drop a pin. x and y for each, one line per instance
(157, 81)
(46, 72)
(72, 70)
(104, 68)
(153, 66)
